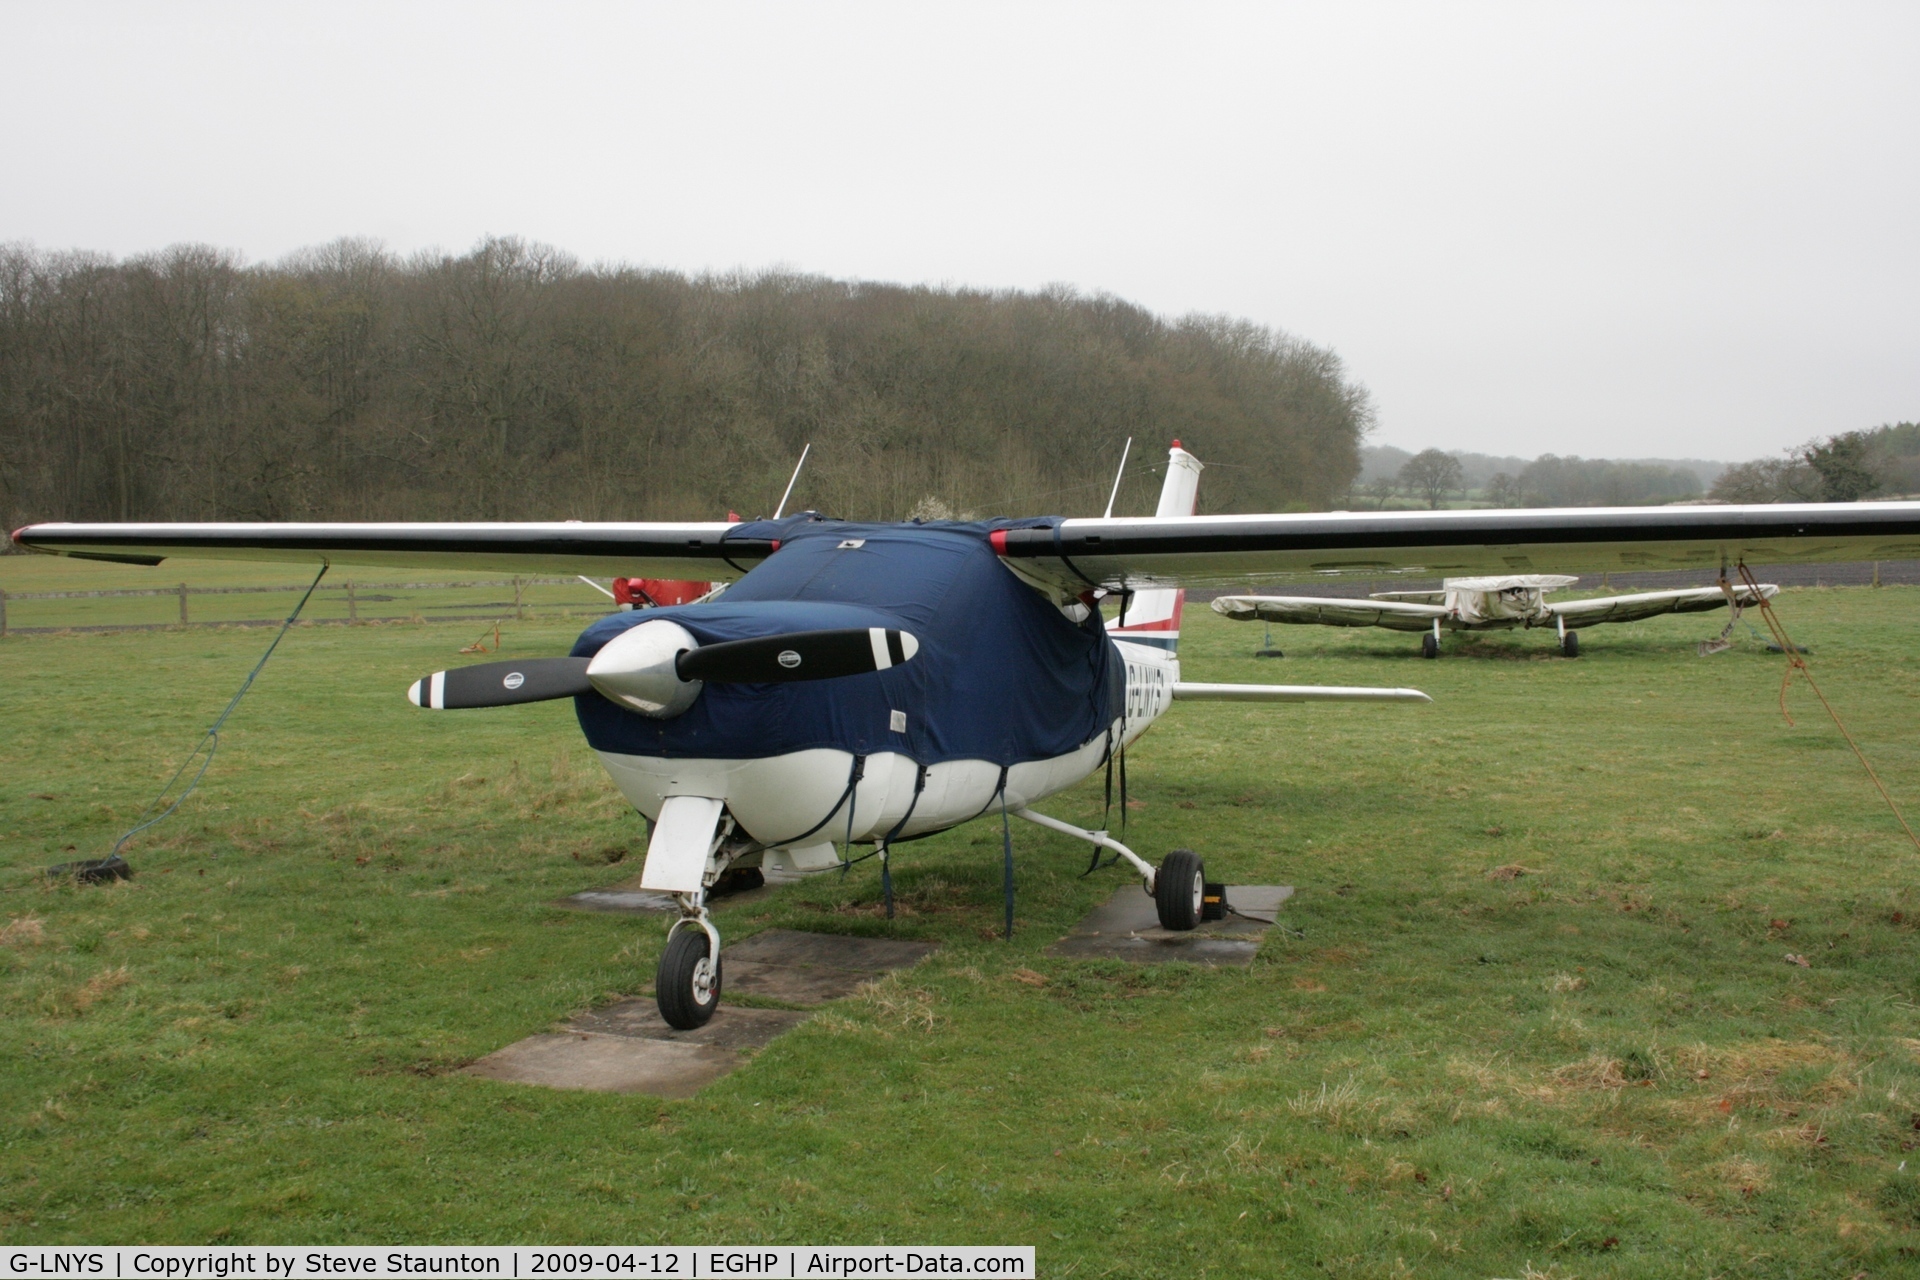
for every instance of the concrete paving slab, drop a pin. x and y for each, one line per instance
(1126, 927)
(731, 1027)
(626, 1047)
(608, 1064)
(1163, 950)
(831, 950)
(619, 901)
(813, 968)
(628, 898)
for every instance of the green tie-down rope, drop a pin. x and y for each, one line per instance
(210, 741)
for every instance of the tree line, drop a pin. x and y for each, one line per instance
(1846, 467)
(1434, 477)
(511, 382)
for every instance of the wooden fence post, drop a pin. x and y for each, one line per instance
(353, 607)
(3, 615)
(1876, 582)
(183, 604)
(518, 611)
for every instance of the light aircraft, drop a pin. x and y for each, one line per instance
(870, 683)
(1487, 604)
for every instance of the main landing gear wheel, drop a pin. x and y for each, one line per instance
(687, 983)
(1429, 647)
(1571, 644)
(1178, 888)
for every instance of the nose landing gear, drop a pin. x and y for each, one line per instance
(686, 986)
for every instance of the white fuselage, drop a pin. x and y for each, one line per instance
(799, 805)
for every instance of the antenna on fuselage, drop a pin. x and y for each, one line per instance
(796, 477)
(1118, 476)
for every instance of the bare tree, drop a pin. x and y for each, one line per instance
(510, 382)
(1431, 474)
(1503, 490)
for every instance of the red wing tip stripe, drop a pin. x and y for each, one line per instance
(999, 540)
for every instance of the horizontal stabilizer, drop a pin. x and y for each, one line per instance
(1184, 692)
(501, 684)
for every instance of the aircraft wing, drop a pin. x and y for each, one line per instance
(1112, 553)
(685, 551)
(1648, 604)
(1330, 611)
(1200, 551)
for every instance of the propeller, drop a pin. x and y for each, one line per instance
(657, 668)
(799, 655)
(501, 684)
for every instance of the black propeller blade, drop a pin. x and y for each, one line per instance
(798, 655)
(501, 684)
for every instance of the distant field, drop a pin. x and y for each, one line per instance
(1597, 1063)
(404, 594)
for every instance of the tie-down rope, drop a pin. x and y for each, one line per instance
(210, 740)
(1796, 662)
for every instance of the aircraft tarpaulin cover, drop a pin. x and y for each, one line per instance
(1001, 674)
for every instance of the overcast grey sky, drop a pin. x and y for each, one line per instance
(1609, 230)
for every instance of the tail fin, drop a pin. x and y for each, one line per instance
(1153, 616)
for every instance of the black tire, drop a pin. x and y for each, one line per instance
(1178, 888)
(1429, 647)
(685, 988)
(1571, 645)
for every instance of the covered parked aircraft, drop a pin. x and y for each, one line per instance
(1487, 604)
(876, 682)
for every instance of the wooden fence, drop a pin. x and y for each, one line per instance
(346, 603)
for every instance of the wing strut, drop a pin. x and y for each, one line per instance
(1100, 838)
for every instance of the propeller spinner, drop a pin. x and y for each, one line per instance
(657, 668)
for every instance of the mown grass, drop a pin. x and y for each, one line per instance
(1599, 1065)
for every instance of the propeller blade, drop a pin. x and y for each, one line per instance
(501, 684)
(798, 655)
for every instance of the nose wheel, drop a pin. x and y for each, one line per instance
(687, 984)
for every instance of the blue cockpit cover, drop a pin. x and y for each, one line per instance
(1001, 675)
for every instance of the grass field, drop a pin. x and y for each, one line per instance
(1602, 1066)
